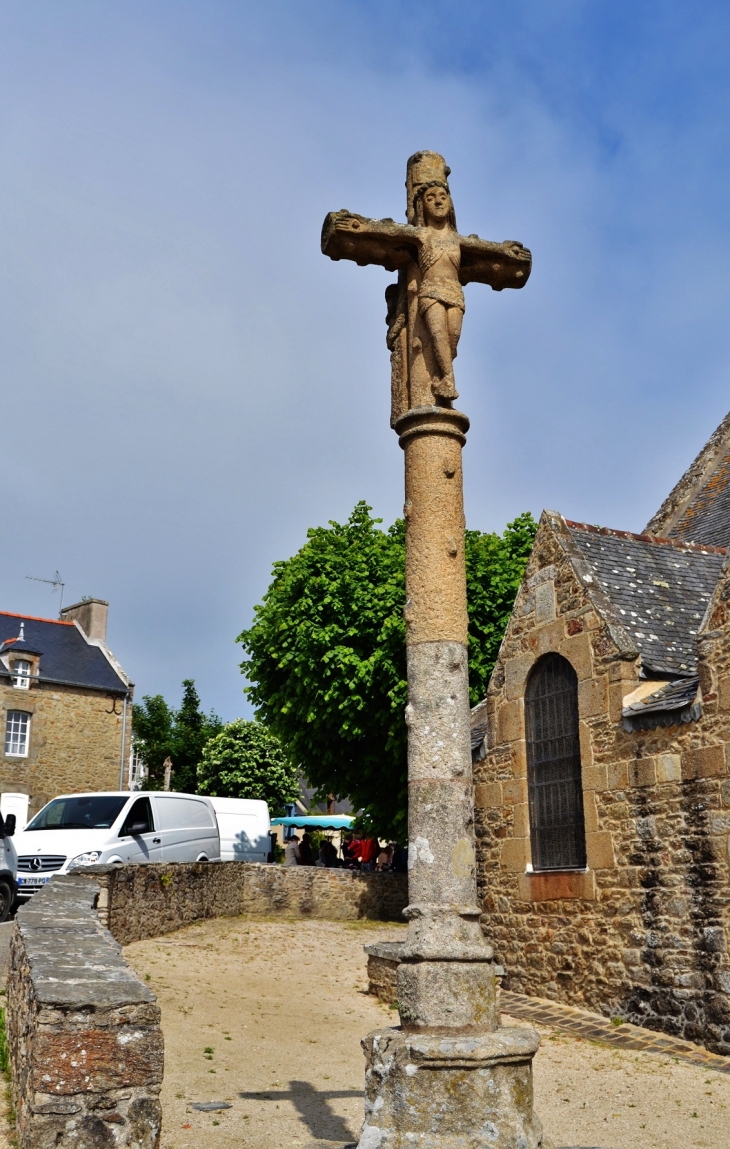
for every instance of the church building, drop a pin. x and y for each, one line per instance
(601, 766)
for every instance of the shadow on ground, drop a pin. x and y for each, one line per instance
(313, 1106)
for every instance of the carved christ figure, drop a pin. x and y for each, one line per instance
(426, 305)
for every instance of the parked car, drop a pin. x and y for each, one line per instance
(245, 829)
(82, 829)
(8, 866)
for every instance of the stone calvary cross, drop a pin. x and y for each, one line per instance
(450, 1076)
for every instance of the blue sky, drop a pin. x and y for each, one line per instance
(187, 384)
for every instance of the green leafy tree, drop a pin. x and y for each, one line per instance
(245, 760)
(160, 732)
(326, 658)
(495, 565)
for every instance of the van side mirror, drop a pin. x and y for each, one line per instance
(137, 828)
(9, 821)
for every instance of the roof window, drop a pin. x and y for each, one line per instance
(21, 674)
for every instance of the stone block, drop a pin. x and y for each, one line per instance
(519, 758)
(599, 850)
(547, 638)
(434, 993)
(514, 792)
(594, 778)
(616, 692)
(545, 602)
(557, 886)
(642, 772)
(516, 671)
(592, 697)
(668, 767)
(723, 692)
(617, 775)
(705, 762)
(719, 823)
(586, 744)
(442, 1091)
(521, 820)
(515, 854)
(510, 724)
(577, 649)
(488, 796)
(590, 811)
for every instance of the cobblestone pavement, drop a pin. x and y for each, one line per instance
(582, 1023)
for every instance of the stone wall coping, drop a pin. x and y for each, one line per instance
(391, 951)
(74, 962)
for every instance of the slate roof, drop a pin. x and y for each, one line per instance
(672, 703)
(659, 588)
(707, 518)
(65, 655)
(697, 509)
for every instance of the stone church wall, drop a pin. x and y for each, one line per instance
(642, 932)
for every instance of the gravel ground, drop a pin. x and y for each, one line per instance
(268, 1016)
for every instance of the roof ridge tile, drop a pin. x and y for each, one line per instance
(679, 544)
(35, 618)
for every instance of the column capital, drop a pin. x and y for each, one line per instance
(432, 421)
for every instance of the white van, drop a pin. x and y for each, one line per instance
(245, 829)
(81, 829)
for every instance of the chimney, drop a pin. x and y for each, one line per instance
(91, 615)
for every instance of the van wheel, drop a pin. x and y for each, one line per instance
(6, 901)
(202, 858)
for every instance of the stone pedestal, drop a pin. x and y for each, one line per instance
(441, 1090)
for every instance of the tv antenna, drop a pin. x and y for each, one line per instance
(54, 582)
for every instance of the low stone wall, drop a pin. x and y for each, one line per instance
(84, 1037)
(138, 902)
(383, 962)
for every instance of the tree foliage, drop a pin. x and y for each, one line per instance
(160, 732)
(326, 658)
(245, 760)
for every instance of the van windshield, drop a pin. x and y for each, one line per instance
(79, 812)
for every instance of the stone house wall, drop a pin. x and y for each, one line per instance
(84, 1038)
(75, 741)
(146, 901)
(641, 933)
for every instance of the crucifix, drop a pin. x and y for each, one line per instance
(449, 1076)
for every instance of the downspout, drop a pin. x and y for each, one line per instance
(124, 741)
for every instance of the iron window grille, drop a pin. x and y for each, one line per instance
(17, 733)
(557, 824)
(21, 674)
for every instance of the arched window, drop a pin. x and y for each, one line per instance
(557, 825)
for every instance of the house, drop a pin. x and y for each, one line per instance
(66, 704)
(601, 751)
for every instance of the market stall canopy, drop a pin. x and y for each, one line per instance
(320, 822)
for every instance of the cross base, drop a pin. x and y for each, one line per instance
(450, 1090)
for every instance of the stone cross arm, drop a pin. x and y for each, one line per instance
(392, 245)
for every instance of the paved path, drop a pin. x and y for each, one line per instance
(583, 1023)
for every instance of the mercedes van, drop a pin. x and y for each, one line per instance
(82, 829)
(245, 829)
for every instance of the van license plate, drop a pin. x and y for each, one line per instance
(34, 881)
